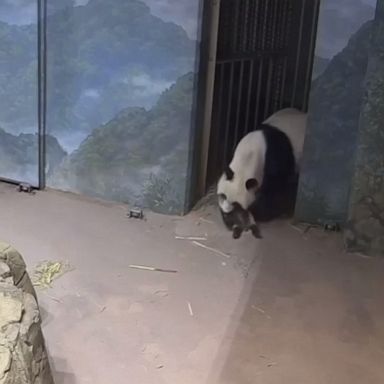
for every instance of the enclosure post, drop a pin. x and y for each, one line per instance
(42, 87)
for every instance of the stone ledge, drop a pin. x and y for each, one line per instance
(23, 357)
(18, 269)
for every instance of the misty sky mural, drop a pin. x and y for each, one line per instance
(338, 20)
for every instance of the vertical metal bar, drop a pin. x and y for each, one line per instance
(298, 53)
(270, 24)
(258, 92)
(276, 81)
(239, 102)
(249, 95)
(255, 14)
(275, 38)
(220, 88)
(42, 60)
(280, 24)
(45, 74)
(228, 114)
(282, 92)
(242, 27)
(251, 20)
(287, 23)
(264, 33)
(276, 76)
(285, 36)
(39, 87)
(311, 53)
(235, 25)
(247, 24)
(268, 88)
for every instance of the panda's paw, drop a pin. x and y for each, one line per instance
(236, 232)
(255, 231)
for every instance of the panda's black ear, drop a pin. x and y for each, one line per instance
(251, 184)
(228, 173)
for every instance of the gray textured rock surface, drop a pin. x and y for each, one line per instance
(23, 358)
(365, 231)
(16, 264)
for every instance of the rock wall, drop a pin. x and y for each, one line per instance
(365, 229)
(23, 358)
(334, 110)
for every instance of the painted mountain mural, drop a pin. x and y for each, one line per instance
(18, 78)
(336, 99)
(19, 156)
(120, 86)
(120, 94)
(139, 157)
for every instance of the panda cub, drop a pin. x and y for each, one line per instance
(264, 163)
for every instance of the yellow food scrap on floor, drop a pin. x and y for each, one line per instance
(48, 271)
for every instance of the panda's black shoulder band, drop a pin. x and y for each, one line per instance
(228, 173)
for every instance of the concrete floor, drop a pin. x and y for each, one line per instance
(289, 309)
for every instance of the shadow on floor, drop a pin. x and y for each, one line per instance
(64, 378)
(62, 375)
(311, 314)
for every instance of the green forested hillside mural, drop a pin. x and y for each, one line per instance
(120, 96)
(139, 156)
(120, 86)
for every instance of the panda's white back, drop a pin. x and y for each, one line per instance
(248, 159)
(293, 123)
(247, 163)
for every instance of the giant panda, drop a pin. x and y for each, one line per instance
(265, 163)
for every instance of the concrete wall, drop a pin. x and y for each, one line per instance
(23, 358)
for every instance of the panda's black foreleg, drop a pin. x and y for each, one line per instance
(255, 231)
(253, 227)
(237, 231)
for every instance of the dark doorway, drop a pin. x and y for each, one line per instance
(263, 63)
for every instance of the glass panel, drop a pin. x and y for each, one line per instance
(120, 93)
(18, 91)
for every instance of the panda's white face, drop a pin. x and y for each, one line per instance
(239, 185)
(225, 205)
(231, 189)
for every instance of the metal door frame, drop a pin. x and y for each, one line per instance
(202, 106)
(42, 88)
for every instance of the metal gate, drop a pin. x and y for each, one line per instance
(264, 63)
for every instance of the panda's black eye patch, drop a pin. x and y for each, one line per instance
(222, 196)
(251, 184)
